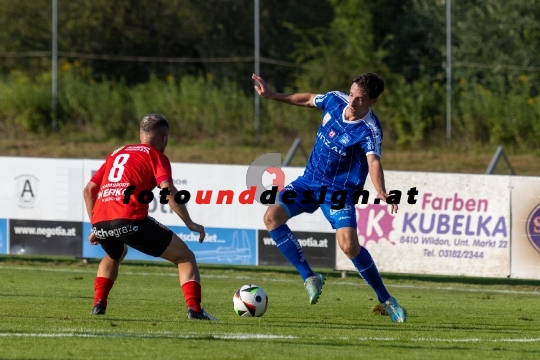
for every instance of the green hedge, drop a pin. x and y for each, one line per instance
(413, 114)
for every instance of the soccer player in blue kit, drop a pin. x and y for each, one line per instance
(347, 148)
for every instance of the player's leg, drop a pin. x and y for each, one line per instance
(362, 260)
(343, 219)
(157, 240)
(364, 264)
(152, 238)
(108, 267)
(275, 220)
(107, 273)
(188, 272)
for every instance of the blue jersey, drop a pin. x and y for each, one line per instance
(338, 159)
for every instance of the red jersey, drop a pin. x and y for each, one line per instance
(140, 165)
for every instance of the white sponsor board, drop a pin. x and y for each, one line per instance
(216, 195)
(525, 227)
(41, 189)
(460, 225)
(200, 179)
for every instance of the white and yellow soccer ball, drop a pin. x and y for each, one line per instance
(250, 301)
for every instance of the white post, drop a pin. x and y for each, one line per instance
(448, 71)
(257, 69)
(54, 64)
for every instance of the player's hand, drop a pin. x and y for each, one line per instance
(383, 196)
(263, 89)
(197, 228)
(93, 239)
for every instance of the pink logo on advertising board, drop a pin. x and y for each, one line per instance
(374, 223)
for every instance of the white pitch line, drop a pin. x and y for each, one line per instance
(226, 336)
(174, 274)
(449, 288)
(46, 335)
(253, 336)
(244, 336)
(524, 340)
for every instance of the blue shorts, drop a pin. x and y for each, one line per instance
(308, 198)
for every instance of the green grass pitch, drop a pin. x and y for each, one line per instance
(45, 309)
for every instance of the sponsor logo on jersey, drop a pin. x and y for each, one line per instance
(331, 146)
(345, 208)
(142, 148)
(345, 138)
(326, 118)
(332, 133)
(289, 187)
(370, 144)
(103, 234)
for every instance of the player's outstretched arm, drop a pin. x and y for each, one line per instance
(298, 99)
(181, 210)
(377, 178)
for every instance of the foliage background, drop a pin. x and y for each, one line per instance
(312, 46)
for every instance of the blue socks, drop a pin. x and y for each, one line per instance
(288, 245)
(363, 262)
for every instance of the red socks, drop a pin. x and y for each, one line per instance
(191, 289)
(102, 286)
(192, 294)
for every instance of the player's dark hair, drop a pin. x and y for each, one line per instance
(372, 83)
(153, 122)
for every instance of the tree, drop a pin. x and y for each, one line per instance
(161, 28)
(344, 50)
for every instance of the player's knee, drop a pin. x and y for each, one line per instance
(350, 248)
(351, 251)
(274, 218)
(186, 256)
(183, 256)
(268, 219)
(190, 256)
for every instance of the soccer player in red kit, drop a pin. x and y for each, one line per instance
(116, 223)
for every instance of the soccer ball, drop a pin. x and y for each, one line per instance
(250, 301)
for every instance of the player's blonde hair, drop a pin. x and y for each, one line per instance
(153, 122)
